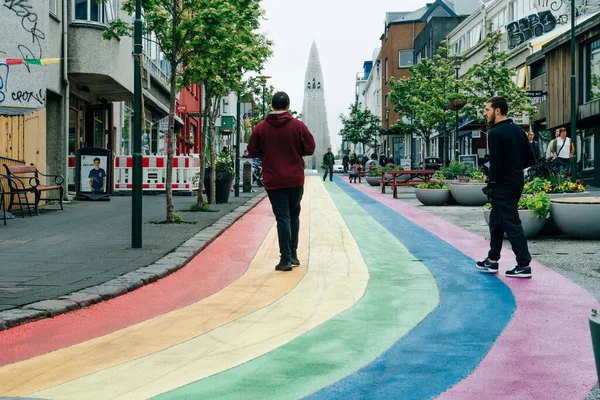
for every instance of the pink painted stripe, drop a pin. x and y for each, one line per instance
(545, 352)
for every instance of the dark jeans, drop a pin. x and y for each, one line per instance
(564, 164)
(286, 207)
(504, 217)
(328, 170)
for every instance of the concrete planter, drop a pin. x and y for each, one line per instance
(433, 197)
(532, 225)
(550, 228)
(373, 180)
(469, 193)
(577, 216)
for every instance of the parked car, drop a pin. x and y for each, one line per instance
(433, 163)
(338, 167)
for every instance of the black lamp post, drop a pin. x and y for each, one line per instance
(457, 63)
(136, 192)
(573, 160)
(263, 80)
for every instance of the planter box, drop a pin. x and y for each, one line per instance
(532, 225)
(223, 189)
(433, 197)
(373, 180)
(550, 228)
(468, 193)
(577, 216)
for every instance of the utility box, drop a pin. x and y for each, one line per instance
(247, 177)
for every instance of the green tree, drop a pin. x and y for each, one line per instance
(361, 126)
(423, 97)
(228, 47)
(493, 76)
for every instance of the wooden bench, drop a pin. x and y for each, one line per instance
(415, 177)
(26, 179)
(361, 174)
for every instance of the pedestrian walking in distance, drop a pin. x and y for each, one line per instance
(510, 153)
(281, 141)
(328, 161)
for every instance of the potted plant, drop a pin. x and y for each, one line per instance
(456, 101)
(577, 216)
(374, 176)
(433, 193)
(224, 182)
(534, 211)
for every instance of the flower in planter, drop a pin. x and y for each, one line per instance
(375, 172)
(538, 204)
(433, 184)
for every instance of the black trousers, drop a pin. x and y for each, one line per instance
(328, 170)
(286, 207)
(504, 217)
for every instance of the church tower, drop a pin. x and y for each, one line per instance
(314, 113)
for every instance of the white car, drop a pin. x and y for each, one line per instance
(338, 167)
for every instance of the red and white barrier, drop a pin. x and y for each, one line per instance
(154, 169)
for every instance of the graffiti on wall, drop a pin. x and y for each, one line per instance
(23, 36)
(551, 13)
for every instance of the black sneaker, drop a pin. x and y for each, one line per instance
(295, 262)
(519, 272)
(487, 266)
(283, 266)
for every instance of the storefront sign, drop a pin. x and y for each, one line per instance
(94, 174)
(476, 134)
(469, 159)
(181, 109)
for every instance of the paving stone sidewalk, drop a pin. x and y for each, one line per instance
(64, 260)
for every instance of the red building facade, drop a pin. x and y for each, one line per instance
(188, 109)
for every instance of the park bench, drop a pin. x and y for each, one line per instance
(361, 173)
(413, 178)
(26, 179)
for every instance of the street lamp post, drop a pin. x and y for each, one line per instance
(237, 148)
(263, 80)
(573, 165)
(457, 64)
(136, 203)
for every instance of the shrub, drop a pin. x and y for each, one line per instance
(433, 184)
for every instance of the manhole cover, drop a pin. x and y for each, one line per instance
(14, 241)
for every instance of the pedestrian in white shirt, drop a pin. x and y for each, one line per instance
(563, 150)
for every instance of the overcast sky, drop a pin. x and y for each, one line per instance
(346, 32)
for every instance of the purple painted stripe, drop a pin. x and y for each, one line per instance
(546, 350)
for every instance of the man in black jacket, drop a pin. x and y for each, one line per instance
(328, 161)
(510, 153)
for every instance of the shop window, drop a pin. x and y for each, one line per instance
(592, 81)
(538, 69)
(586, 158)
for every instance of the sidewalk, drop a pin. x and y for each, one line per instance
(89, 244)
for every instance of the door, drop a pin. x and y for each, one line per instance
(398, 149)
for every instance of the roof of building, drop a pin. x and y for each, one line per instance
(452, 8)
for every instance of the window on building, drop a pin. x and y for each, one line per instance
(538, 69)
(377, 68)
(592, 78)
(225, 106)
(499, 20)
(387, 70)
(521, 77)
(89, 10)
(52, 8)
(406, 58)
(419, 57)
(519, 9)
(475, 35)
(459, 46)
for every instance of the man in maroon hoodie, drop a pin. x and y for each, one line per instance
(281, 141)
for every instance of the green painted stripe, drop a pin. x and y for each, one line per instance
(400, 294)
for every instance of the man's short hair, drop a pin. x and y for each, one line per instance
(499, 102)
(96, 159)
(280, 101)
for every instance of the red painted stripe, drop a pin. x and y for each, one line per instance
(160, 162)
(174, 186)
(129, 162)
(175, 162)
(71, 162)
(145, 186)
(187, 162)
(160, 186)
(145, 162)
(129, 186)
(217, 266)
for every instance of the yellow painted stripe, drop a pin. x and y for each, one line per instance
(257, 288)
(336, 279)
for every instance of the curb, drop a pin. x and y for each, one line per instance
(161, 268)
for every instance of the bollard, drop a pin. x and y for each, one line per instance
(595, 330)
(247, 177)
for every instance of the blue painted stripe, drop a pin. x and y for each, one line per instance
(449, 344)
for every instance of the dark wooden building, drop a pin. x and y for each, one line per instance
(550, 72)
